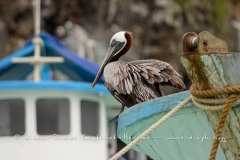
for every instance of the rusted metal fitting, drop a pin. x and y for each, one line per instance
(192, 42)
(205, 42)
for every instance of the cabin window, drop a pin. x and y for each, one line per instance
(90, 118)
(53, 116)
(12, 117)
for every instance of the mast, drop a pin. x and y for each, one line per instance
(37, 60)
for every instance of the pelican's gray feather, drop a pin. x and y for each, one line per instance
(140, 80)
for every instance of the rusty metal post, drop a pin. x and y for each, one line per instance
(209, 65)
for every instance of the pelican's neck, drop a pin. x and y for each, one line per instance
(111, 67)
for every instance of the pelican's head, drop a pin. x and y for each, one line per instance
(120, 43)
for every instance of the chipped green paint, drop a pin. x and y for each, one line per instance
(222, 69)
(203, 71)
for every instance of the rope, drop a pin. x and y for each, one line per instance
(150, 129)
(201, 98)
(212, 103)
(205, 106)
(232, 98)
(213, 92)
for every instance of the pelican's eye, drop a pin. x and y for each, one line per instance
(114, 43)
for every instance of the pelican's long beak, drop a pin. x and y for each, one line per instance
(106, 60)
(114, 49)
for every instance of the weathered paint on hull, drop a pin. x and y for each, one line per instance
(186, 135)
(217, 70)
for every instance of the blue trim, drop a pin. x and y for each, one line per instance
(16, 71)
(150, 108)
(8, 70)
(46, 72)
(75, 67)
(52, 85)
(80, 66)
(23, 52)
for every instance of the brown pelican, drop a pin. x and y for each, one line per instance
(137, 81)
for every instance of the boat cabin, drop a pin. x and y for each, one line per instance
(56, 115)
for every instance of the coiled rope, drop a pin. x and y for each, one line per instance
(204, 99)
(198, 98)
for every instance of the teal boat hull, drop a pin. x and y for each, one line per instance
(186, 135)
